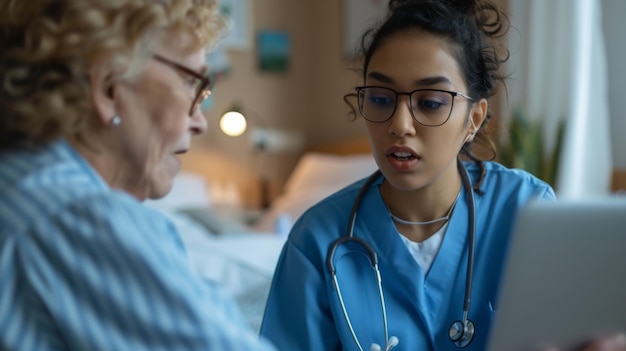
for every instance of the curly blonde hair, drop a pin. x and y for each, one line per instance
(47, 47)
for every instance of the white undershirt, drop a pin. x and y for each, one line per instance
(425, 252)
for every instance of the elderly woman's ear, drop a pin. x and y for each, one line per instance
(102, 80)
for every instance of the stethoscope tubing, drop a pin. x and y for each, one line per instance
(472, 238)
(349, 237)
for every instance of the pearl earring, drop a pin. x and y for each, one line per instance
(116, 121)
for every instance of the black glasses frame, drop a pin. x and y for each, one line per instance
(203, 90)
(360, 94)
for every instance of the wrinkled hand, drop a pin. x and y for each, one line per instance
(615, 342)
(611, 343)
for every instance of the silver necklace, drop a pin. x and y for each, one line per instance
(436, 220)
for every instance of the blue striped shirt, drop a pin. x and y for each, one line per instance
(85, 267)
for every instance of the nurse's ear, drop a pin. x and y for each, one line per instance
(477, 116)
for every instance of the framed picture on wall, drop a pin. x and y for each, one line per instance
(273, 51)
(357, 17)
(239, 16)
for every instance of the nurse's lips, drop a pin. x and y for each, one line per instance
(402, 153)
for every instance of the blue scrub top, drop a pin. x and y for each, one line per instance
(303, 310)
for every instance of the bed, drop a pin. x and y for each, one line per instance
(239, 248)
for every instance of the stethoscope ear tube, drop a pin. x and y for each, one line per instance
(350, 229)
(335, 244)
(355, 206)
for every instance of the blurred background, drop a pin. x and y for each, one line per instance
(287, 64)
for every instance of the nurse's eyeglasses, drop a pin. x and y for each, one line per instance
(429, 107)
(198, 83)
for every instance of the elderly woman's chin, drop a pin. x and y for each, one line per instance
(163, 178)
(159, 188)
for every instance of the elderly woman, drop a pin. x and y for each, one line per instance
(97, 101)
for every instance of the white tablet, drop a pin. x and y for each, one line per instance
(565, 279)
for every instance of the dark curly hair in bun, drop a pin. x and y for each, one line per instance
(472, 27)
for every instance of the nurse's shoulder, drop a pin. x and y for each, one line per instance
(501, 181)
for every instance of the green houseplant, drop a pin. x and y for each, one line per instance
(525, 147)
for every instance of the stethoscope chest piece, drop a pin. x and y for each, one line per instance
(461, 333)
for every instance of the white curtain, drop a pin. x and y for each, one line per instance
(559, 70)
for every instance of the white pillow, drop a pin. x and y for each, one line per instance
(288, 207)
(188, 190)
(326, 170)
(315, 177)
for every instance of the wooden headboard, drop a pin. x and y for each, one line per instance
(346, 147)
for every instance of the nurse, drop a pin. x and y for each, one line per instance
(428, 73)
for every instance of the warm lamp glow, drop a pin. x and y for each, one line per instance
(233, 123)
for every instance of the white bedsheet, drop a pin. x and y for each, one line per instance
(243, 263)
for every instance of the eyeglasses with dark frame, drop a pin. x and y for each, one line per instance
(201, 84)
(429, 107)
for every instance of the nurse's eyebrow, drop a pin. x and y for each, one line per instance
(428, 81)
(433, 81)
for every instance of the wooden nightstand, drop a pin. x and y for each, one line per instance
(618, 183)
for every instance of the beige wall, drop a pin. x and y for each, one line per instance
(307, 98)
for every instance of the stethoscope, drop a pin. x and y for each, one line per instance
(461, 332)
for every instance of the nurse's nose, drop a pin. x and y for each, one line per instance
(402, 121)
